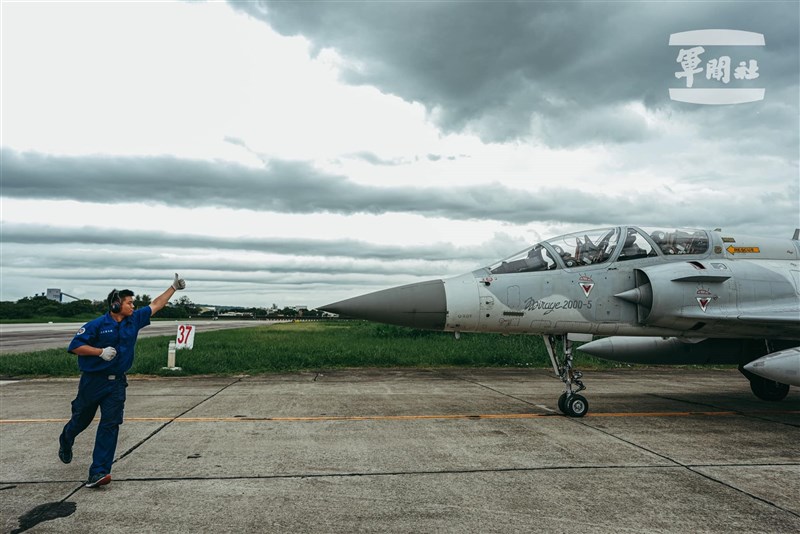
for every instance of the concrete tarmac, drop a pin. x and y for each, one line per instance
(444, 450)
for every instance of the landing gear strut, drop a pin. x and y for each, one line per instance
(570, 403)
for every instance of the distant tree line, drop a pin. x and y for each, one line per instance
(183, 308)
(28, 307)
(260, 313)
(39, 306)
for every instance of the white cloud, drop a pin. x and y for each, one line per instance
(378, 146)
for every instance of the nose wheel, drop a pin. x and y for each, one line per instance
(574, 405)
(570, 402)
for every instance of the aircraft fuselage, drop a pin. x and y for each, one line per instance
(660, 296)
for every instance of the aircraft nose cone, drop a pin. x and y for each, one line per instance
(421, 305)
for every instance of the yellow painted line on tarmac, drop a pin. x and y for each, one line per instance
(405, 417)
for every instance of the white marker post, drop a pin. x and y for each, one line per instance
(183, 340)
(171, 358)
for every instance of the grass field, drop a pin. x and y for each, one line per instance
(309, 346)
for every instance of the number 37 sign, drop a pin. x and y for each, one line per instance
(185, 339)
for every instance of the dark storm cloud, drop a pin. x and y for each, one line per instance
(297, 187)
(556, 70)
(134, 275)
(62, 260)
(32, 234)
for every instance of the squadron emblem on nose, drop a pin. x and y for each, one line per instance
(703, 297)
(586, 284)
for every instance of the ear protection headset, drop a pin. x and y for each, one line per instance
(116, 302)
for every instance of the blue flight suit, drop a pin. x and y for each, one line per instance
(103, 383)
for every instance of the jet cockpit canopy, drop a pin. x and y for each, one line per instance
(594, 247)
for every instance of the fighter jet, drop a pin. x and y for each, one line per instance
(656, 296)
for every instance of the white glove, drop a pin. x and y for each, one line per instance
(108, 353)
(178, 283)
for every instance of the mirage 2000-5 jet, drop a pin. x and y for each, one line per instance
(658, 296)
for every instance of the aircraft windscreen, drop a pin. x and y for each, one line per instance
(529, 260)
(586, 248)
(679, 241)
(580, 248)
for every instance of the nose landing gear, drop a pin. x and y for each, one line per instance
(570, 402)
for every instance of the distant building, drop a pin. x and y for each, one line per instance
(58, 295)
(247, 315)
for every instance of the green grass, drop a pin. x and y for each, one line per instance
(309, 346)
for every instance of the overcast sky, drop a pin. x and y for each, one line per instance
(299, 153)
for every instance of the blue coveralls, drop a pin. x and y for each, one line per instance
(103, 383)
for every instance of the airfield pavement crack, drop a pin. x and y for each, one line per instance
(678, 464)
(357, 474)
(691, 468)
(742, 491)
(172, 420)
(450, 375)
(41, 516)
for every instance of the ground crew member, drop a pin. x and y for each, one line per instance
(105, 349)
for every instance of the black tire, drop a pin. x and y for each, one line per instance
(577, 406)
(562, 403)
(768, 390)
